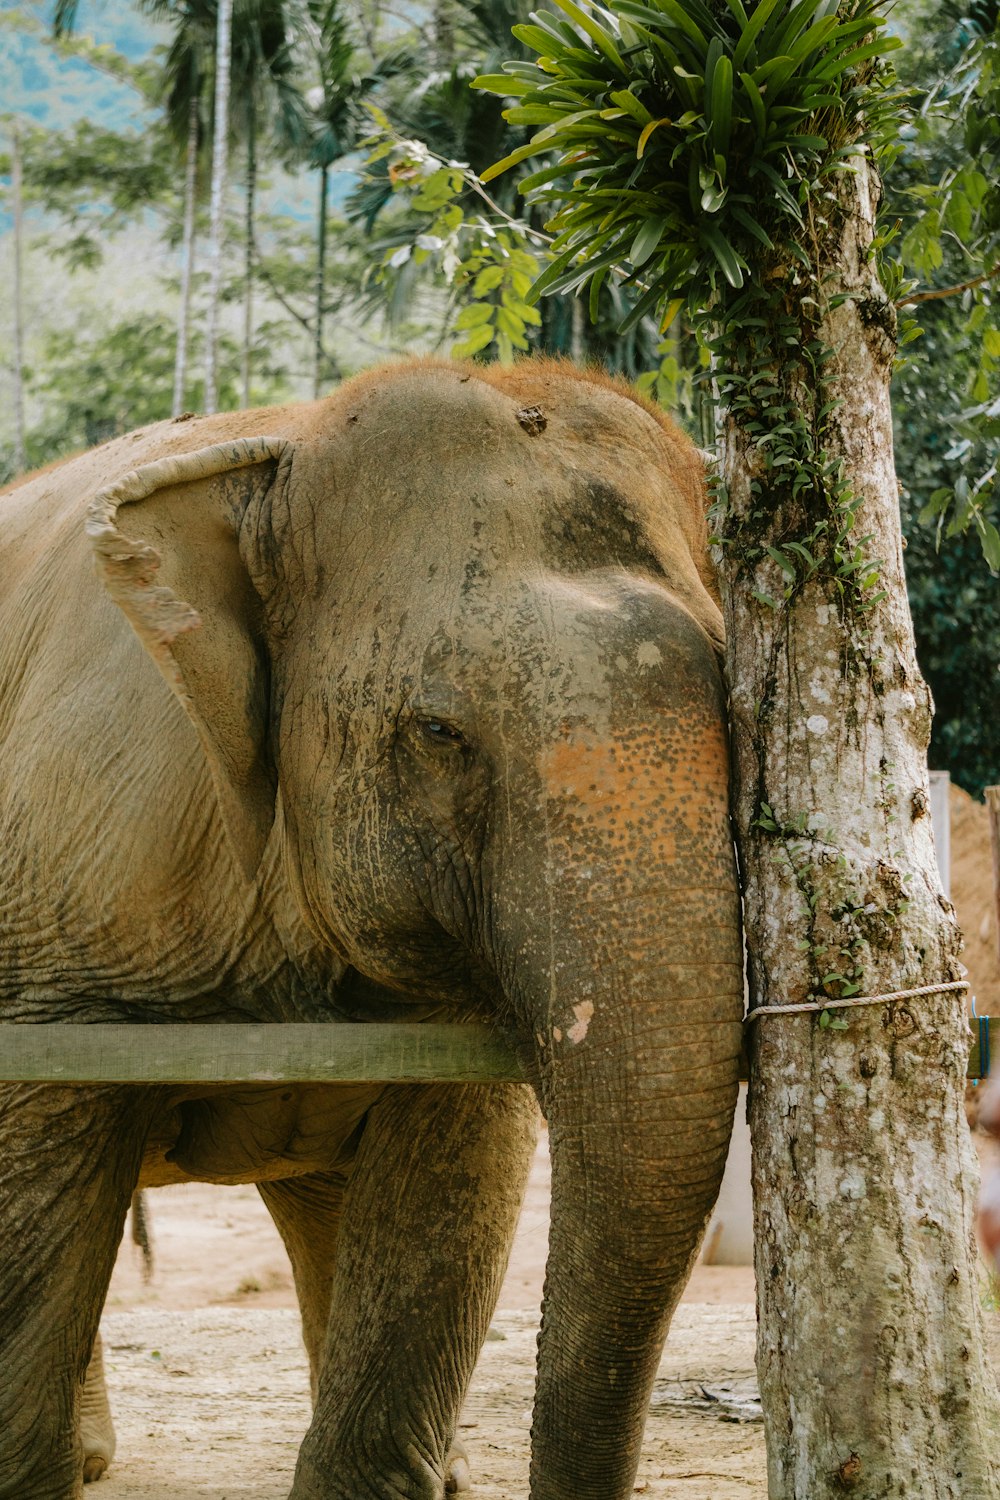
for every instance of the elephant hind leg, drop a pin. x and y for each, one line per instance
(306, 1213)
(97, 1432)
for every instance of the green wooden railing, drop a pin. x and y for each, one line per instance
(289, 1052)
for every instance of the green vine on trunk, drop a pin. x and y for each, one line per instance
(839, 929)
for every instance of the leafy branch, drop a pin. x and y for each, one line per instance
(950, 291)
(486, 262)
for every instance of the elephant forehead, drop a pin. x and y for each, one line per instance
(434, 445)
(451, 405)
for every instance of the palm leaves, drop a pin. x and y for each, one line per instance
(687, 132)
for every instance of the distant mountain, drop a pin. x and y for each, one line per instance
(38, 84)
(56, 91)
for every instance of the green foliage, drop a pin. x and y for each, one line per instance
(955, 602)
(490, 269)
(500, 273)
(944, 197)
(97, 181)
(100, 382)
(691, 143)
(690, 136)
(956, 619)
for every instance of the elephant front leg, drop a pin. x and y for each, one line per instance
(69, 1160)
(428, 1220)
(307, 1211)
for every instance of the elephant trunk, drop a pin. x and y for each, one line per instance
(637, 1037)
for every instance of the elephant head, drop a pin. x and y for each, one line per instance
(457, 662)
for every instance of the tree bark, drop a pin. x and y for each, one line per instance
(318, 356)
(870, 1354)
(187, 257)
(20, 459)
(220, 142)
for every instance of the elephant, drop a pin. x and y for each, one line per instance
(404, 704)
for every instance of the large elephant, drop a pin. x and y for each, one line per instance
(402, 704)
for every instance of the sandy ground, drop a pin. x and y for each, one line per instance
(210, 1390)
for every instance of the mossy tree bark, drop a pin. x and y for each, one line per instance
(870, 1354)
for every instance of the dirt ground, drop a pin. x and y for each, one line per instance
(208, 1377)
(209, 1384)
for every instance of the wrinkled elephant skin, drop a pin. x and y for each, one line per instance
(400, 705)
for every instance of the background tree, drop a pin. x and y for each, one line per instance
(942, 190)
(182, 88)
(335, 125)
(264, 96)
(220, 161)
(17, 292)
(725, 154)
(186, 83)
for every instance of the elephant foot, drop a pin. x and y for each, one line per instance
(95, 1466)
(328, 1481)
(97, 1431)
(457, 1477)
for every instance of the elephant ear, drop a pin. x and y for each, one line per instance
(213, 655)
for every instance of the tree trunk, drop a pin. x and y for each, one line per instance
(20, 459)
(318, 358)
(444, 34)
(871, 1353)
(220, 142)
(251, 192)
(187, 258)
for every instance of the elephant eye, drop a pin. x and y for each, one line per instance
(440, 733)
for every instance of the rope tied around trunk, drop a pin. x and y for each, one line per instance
(817, 1005)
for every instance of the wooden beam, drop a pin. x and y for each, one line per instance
(292, 1052)
(282, 1053)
